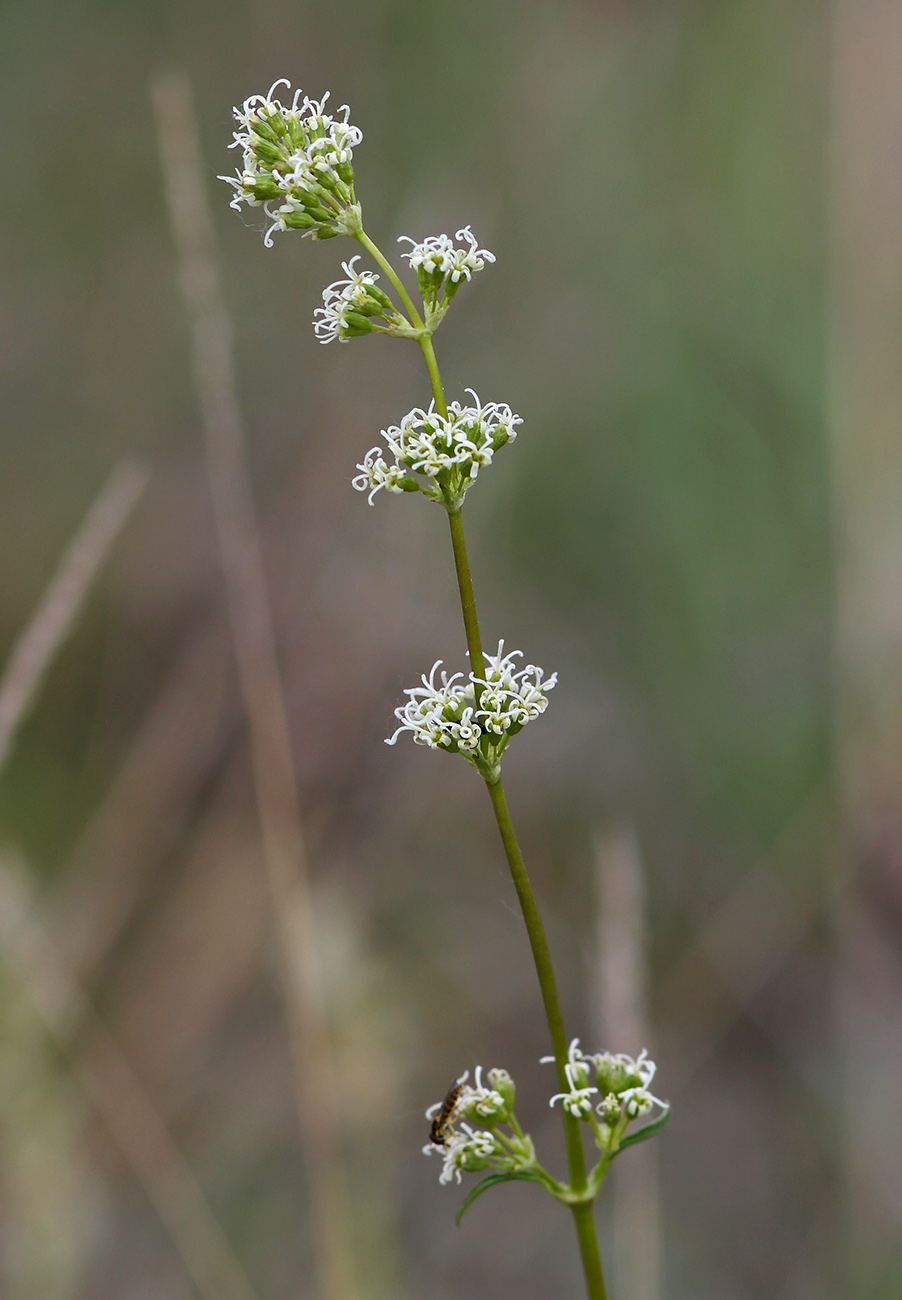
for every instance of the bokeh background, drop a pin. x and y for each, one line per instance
(696, 208)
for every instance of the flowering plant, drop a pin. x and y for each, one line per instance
(297, 164)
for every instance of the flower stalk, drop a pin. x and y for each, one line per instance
(576, 1160)
(300, 158)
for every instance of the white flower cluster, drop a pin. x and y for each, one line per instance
(440, 267)
(297, 161)
(350, 305)
(448, 450)
(475, 717)
(621, 1080)
(466, 1148)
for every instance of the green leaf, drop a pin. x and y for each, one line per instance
(647, 1131)
(508, 1176)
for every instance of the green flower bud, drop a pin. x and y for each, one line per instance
(501, 1081)
(381, 297)
(264, 187)
(616, 1073)
(277, 123)
(355, 325)
(266, 151)
(471, 1162)
(298, 220)
(579, 1071)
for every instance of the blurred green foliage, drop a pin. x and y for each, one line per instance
(650, 177)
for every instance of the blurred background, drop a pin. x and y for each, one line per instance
(696, 209)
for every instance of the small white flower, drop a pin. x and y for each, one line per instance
(375, 474)
(441, 267)
(577, 1100)
(639, 1101)
(574, 1054)
(621, 1070)
(480, 1102)
(433, 254)
(465, 1148)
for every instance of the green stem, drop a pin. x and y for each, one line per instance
(584, 1219)
(435, 378)
(467, 596)
(378, 256)
(576, 1159)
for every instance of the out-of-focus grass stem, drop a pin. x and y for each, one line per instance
(260, 683)
(64, 598)
(107, 1079)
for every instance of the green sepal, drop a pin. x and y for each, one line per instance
(508, 1176)
(354, 325)
(314, 207)
(409, 484)
(428, 282)
(325, 232)
(381, 297)
(276, 122)
(647, 1131)
(266, 151)
(298, 220)
(265, 187)
(262, 128)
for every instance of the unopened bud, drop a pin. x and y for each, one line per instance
(502, 1083)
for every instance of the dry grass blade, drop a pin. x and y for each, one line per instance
(261, 685)
(64, 598)
(112, 1087)
(622, 981)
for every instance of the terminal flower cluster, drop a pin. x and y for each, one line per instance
(297, 162)
(475, 717)
(447, 450)
(441, 268)
(353, 306)
(468, 1128)
(622, 1083)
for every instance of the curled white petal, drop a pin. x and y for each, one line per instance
(437, 255)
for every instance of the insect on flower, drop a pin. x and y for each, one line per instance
(441, 1122)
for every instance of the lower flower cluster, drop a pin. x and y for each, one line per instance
(475, 1129)
(478, 716)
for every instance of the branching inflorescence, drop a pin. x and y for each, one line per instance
(298, 164)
